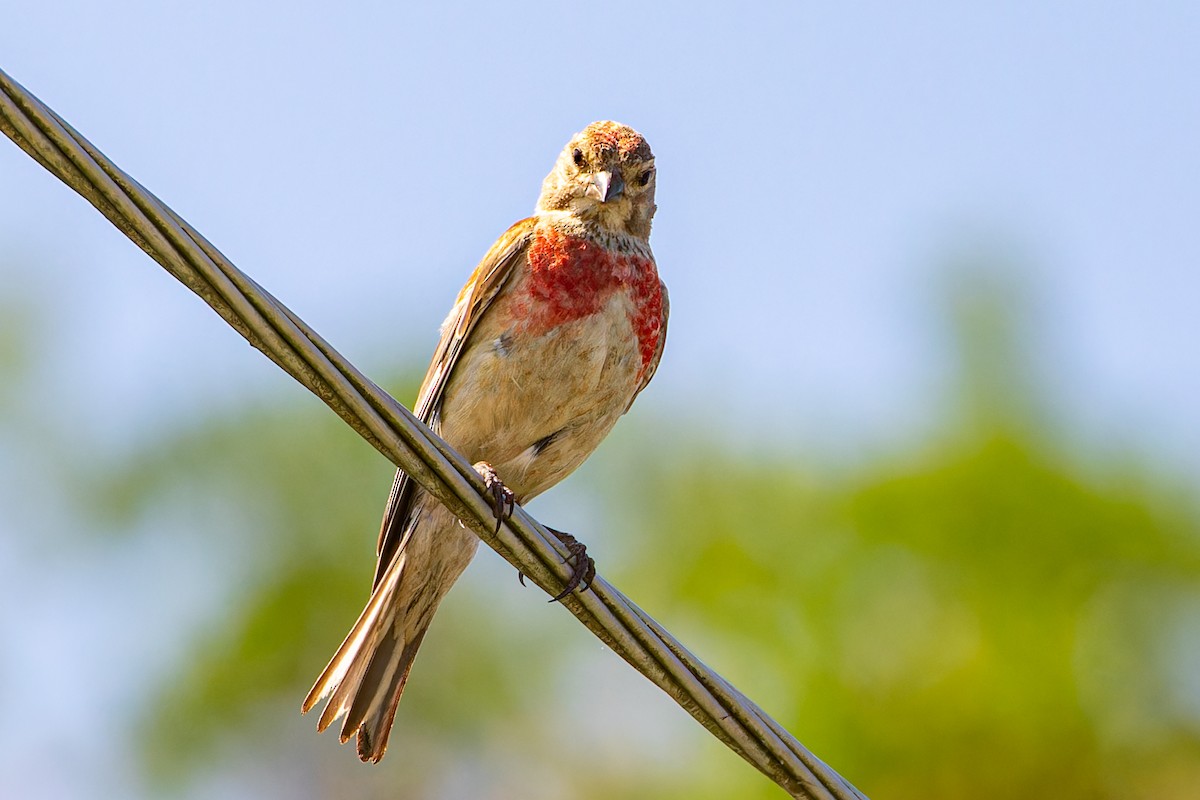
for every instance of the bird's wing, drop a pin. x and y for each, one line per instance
(488, 279)
(652, 367)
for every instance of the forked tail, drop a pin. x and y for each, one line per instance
(366, 676)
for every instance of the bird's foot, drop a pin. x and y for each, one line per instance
(585, 567)
(503, 500)
(581, 575)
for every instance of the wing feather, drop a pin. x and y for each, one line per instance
(488, 279)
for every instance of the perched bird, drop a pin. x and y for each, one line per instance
(557, 331)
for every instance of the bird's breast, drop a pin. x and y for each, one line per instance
(571, 278)
(556, 360)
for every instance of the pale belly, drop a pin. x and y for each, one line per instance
(535, 407)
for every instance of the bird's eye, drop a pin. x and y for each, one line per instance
(578, 157)
(644, 178)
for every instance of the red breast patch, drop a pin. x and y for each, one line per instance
(571, 277)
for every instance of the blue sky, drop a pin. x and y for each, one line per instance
(818, 165)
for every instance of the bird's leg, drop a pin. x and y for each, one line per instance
(585, 567)
(503, 500)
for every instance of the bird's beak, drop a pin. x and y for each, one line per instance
(605, 186)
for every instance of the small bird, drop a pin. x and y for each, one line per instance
(559, 328)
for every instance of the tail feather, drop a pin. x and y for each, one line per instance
(376, 723)
(366, 676)
(336, 679)
(384, 671)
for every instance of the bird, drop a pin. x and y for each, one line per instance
(556, 332)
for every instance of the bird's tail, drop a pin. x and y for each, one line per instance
(366, 676)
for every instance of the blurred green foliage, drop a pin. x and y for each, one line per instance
(978, 622)
(986, 615)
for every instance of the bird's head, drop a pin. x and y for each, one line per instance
(604, 176)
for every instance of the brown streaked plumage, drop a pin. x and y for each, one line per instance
(559, 328)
